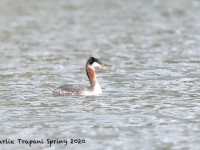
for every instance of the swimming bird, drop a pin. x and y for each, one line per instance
(78, 89)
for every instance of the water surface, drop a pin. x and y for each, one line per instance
(150, 96)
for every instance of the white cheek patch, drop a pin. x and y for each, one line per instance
(96, 65)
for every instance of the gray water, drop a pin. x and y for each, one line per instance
(150, 96)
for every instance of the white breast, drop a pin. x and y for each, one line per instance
(95, 91)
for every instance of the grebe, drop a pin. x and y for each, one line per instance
(77, 89)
